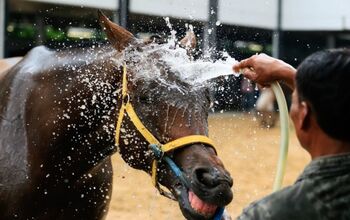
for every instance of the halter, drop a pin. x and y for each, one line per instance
(154, 144)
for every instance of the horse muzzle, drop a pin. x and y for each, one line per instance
(212, 185)
(201, 189)
(208, 192)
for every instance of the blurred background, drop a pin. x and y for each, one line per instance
(240, 27)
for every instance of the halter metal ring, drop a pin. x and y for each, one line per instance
(126, 99)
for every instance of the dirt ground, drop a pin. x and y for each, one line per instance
(248, 151)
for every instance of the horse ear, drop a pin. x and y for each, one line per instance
(189, 42)
(117, 35)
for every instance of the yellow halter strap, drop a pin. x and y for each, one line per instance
(177, 143)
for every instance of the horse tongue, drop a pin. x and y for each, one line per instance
(200, 206)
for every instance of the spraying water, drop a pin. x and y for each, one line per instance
(176, 58)
(199, 71)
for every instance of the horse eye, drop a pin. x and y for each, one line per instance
(145, 99)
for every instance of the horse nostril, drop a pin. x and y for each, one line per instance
(212, 177)
(213, 185)
(208, 176)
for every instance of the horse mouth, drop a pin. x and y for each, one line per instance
(201, 207)
(193, 207)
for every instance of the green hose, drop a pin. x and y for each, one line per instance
(284, 139)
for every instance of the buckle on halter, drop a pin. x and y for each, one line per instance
(157, 151)
(126, 99)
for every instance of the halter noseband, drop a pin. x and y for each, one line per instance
(153, 141)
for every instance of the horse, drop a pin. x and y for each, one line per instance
(265, 108)
(62, 117)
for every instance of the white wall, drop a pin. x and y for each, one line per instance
(316, 15)
(101, 4)
(186, 9)
(251, 13)
(296, 14)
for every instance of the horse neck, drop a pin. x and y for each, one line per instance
(100, 81)
(88, 107)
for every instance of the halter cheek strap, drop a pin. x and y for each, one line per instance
(127, 108)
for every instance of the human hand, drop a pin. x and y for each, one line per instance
(264, 70)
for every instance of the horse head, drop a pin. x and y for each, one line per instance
(169, 108)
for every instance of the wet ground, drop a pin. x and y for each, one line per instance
(248, 151)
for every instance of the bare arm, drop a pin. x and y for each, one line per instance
(264, 70)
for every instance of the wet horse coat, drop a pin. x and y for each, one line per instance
(58, 113)
(47, 136)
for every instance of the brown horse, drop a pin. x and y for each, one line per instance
(58, 116)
